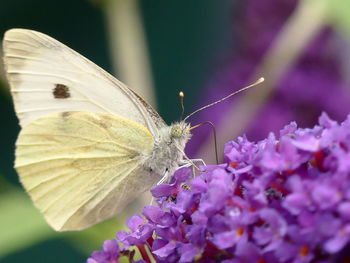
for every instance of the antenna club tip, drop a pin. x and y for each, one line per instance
(181, 94)
(262, 79)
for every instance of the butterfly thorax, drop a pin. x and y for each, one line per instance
(168, 151)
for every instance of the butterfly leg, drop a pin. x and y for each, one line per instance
(164, 178)
(199, 161)
(166, 175)
(187, 163)
(195, 168)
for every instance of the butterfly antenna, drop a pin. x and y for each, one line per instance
(181, 97)
(215, 141)
(228, 96)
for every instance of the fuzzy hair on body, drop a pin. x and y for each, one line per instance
(168, 151)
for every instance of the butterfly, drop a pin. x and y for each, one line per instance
(88, 144)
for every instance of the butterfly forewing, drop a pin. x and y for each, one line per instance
(46, 77)
(80, 168)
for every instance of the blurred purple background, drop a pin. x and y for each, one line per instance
(316, 81)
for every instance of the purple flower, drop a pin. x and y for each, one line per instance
(110, 253)
(171, 189)
(142, 230)
(283, 199)
(272, 232)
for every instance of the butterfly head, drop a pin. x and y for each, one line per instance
(180, 130)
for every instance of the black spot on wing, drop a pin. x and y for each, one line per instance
(61, 92)
(65, 114)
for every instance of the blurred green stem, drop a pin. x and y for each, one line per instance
(128, 46)
(300, 28)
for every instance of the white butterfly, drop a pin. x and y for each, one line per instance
(89, 145)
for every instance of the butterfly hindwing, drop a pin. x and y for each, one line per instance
(80, 168)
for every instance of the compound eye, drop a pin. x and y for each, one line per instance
(176, 132)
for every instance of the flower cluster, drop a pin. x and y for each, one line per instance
(282, 199)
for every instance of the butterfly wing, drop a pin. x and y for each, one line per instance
(81, 168)
(46, 77)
